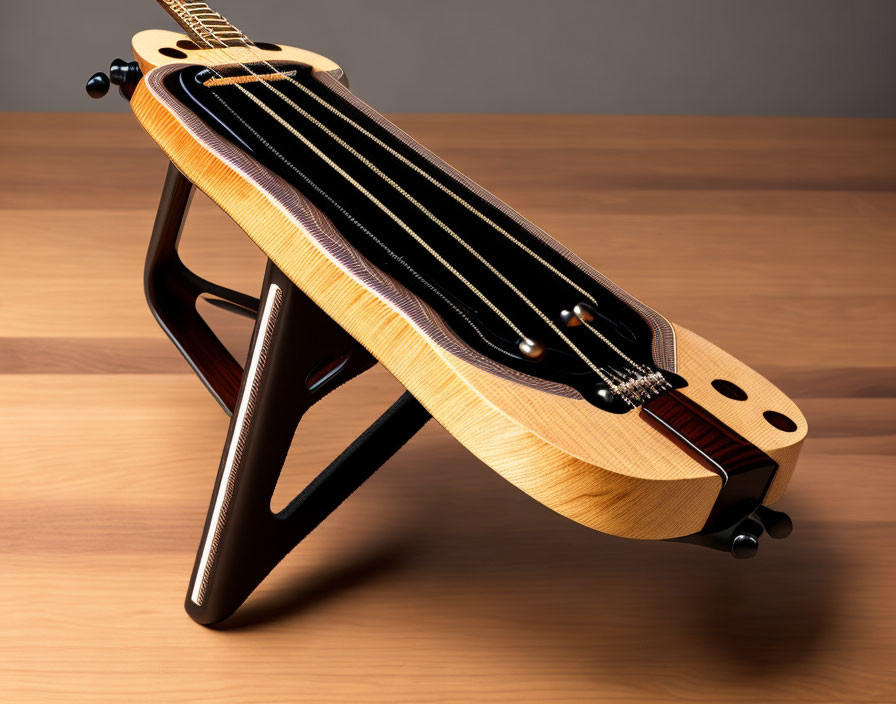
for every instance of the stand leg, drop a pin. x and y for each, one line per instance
(297, 355)
(172, 289)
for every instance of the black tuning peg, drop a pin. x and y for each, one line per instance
(742, 538)
(777, 523)
(118, 71)
(97, 85)
(745, 542)
(126, 75)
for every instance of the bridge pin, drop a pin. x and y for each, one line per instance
(583, 312)
(531, 349)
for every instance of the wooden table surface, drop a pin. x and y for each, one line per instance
(438, 581)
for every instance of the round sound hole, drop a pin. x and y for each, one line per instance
(172, 53)
(187, 44)
(268, 47)
(780, 421)
(729, 389)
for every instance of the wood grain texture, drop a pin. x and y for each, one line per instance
(614, 473)
(437, 581)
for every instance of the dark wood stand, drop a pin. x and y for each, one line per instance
(297, 355)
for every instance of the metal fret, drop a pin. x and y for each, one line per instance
(206, 27)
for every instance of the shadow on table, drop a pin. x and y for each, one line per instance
(389, 556)
(555, 589)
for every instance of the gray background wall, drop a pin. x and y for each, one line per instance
(783, 57)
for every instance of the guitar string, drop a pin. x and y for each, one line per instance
(630, 385)
(358, 224)
(650, 377)
(376, 201)
(414, 167)
(248, 44)
(333, 165)
(364, 160)
(438, 184)
(639, 387)
(354, 220)
(415, 236)
(333, 202)
(620, 381)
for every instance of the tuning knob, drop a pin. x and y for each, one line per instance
(97, 85)
(744, 546)
(745, 543)
(118, 71)
(126, 75)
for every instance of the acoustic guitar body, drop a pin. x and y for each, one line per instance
(703, 437)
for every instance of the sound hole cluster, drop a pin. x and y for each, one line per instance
(731, 390)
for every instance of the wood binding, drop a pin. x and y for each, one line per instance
(615, 473)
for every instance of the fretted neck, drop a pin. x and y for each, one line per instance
(207, 28)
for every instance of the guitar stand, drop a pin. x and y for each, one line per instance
(297, 355)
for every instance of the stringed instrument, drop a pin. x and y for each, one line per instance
(565, 384)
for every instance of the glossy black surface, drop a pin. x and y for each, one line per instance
(126, 75)
(172, 290)
(118, 71)
(236, 117)
(98, 85)
(744, 546)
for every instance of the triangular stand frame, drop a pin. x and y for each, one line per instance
(297, 355)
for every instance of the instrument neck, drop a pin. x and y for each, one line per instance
(207, 28)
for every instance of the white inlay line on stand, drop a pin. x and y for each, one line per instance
(251, 373)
